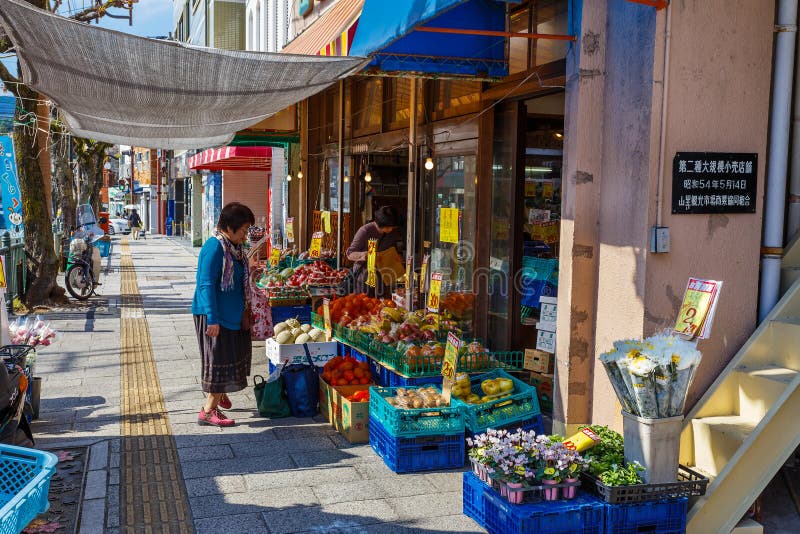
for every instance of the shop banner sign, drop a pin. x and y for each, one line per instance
(698, 308)
(448, 225)
(326, 311)
(435, 292)
(316, 245)
(326, 221)
(372, 250)
(9, 189)
(290, 229)
(714, 182)
(275, 257)
(449, 365)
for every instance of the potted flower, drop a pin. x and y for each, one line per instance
(552, 462)
(483, 453)
(575, 464)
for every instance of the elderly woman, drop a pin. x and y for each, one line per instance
(220, 301)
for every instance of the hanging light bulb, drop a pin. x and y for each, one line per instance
(346, 178)
(368, 176)
(289, 177)
(429, 163)
(300, 173)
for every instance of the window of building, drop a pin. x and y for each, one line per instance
(397, 103)
(455, 97)
(543, 17)
(367, 105)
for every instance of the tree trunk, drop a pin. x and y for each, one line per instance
(65, 181)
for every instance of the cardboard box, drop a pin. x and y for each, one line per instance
(351, 419)
(321, 353)
(538, 360)
(544, 390)
(545, 340)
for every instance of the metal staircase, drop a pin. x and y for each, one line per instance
(746, 425)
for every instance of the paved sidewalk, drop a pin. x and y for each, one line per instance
(287, 475)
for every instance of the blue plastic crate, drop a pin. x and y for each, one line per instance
(342, 349)
(473, 498)
(520, 406)
(667, 516)
(24, 485)
(535, 424)
(284, 313)
(532, 290)
(582, 515)
(104, 247)
(423, 453)
(409, 423)
(386, 377)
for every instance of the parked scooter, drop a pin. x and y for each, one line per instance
(84, 263)
(14, 428)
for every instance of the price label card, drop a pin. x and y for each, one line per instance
(435, 292)
(316, 245)
(698, 308)
(326, 221)
(290, 229)
(326, 310)
(372, 250)
(530, 188)
(448, 225)
(449, 365)
(275, 257)
(423, 274)
(548, 190)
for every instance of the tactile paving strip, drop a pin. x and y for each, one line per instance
(152, 492)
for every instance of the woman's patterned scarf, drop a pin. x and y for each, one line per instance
(233, 252)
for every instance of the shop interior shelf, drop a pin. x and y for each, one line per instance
(422, 453)
(413, 422)
(521, 405)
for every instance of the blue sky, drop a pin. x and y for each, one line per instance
(151, 18)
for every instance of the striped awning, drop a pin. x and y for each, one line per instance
(240, 158)
(331, 34)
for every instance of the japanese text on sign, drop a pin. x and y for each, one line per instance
(710, 182)
(372, 249)
(449, 365)
(448, 225)
(326, 221)
(290, 229)
(316, 245)
(698, 308)
(275, 257)
(435, 292)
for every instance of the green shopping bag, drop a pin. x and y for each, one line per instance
(271, 398)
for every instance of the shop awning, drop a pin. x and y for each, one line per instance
(123, 89)
(331, 34)
(239, 158)
(387, 33)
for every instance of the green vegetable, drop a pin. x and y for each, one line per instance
(609, 452)
(627, 475)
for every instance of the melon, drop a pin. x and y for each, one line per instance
(306, 328)
(303, 338)
(293, 323)
(284, 338)
(317, 335)
(297, 331)
(280, 327)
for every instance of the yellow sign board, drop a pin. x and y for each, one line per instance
(448, 225)
(548, 190)
(316, 245)
(698, 307)
(326, 221)
(372, 250)
(449, 365)
(275, 257)
(434, 294)
(326, 310)
(290, 229)
(530, 188)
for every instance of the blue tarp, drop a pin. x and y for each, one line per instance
(386, 32)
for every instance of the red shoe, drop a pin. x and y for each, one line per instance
(214, 418)
(225, 402)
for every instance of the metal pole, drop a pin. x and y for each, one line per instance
(340, 185)
(780, 122)
(411, 211)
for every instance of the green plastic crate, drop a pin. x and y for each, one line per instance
(522, 404)
(432, 365)
(317, 321)
(414, 422)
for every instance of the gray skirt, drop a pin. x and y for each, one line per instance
(226, 359)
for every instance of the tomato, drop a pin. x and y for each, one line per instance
(358, 372)
(365, 380)
(348, 375)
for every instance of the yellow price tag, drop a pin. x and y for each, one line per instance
(290, 229)
(326, 221)
(326, 310)
(372, 250)
(530, 189)
(548, 190)
(423, 274)
(448, 225)
(697, 309)
(275, 257)
(449, 365)
(316, 245)
(409, 280)
(435, 292)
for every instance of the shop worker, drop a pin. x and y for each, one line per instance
(384, 228)
(220, 299)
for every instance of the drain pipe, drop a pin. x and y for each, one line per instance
(793, 217)
(777, 163)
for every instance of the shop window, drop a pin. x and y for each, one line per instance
(455, 97)
(333, 186)
(367, 104)
(537, 16)
(397, 103)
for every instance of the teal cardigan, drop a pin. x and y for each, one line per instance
(224, 308)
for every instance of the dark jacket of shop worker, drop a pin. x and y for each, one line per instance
(383, 228)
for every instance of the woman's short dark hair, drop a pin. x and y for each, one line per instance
(235, 215)
(385, 217)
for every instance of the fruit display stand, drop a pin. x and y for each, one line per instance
(415, 439)
(291, 341)
(348, 416)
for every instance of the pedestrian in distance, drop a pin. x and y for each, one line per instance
(221, 314)
(135, 222)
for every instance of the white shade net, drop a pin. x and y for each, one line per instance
(124, 89)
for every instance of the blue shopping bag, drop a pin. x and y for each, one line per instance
(302, 387)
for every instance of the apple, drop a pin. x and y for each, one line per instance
(490, 387)
(506, 385)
